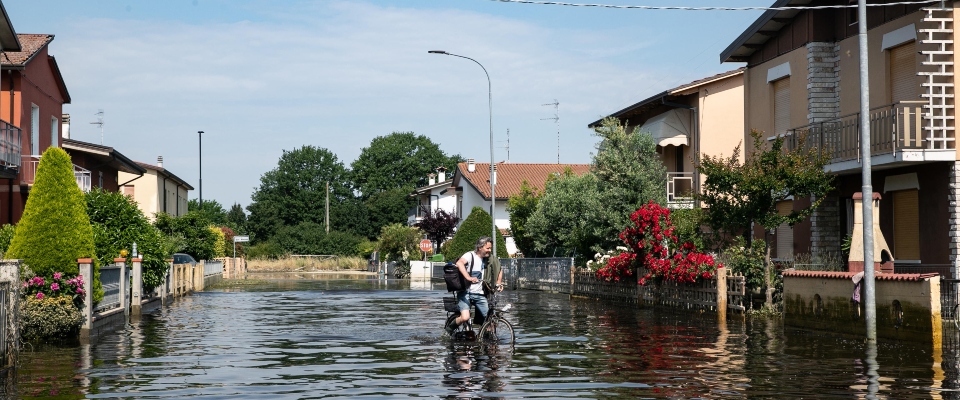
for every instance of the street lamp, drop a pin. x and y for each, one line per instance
(200, 149)
(493, 177)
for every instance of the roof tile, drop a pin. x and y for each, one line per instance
(849, 275)
(511, 176)
(31, 44)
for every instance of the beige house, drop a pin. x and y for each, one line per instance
(701, 117)
(158, 190)
(802, 80)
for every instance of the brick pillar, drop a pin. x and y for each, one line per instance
(823, 81)
(86, 271)
(825, 227)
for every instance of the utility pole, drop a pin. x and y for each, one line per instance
(556, 120)
(870, 301)
(327, 209)
(99, 122)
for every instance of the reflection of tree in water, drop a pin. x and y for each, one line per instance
(473, 370)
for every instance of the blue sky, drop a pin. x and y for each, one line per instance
(260, 77)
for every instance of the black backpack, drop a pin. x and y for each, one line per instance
(454, 279)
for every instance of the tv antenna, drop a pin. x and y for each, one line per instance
(508, 145)
(556, 120)
(99, 122)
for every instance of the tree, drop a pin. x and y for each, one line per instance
(119, 223)
(566, 216)
(237, 218)
(212, 210)
(388, 207)
(296, 191)
(739, 195)
(192, 233)
(55, 230)
(438, 225)
(630, 175)
(398, 160)
(478, 224)
(521, 206)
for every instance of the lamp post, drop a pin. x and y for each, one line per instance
(493, 177)
(200, 150)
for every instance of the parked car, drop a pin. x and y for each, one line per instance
(183, 258)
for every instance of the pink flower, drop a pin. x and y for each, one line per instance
(39, 296)
(54, 286)
(57, 275)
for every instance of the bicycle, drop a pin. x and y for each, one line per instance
(495, 329)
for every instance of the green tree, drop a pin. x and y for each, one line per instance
(738, 195)
(521, 206)
(191, 232)
(399, 242)
(629, 173)
(212, 210)
(295, 192)
(55, 230)
(566, 216)
(398, 160)
(237, 219)
(388, 207)
(478, 224)
(119, 223)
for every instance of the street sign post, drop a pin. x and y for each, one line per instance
(237, 239)
(425, 246)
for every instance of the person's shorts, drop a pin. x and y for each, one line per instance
(479, 300)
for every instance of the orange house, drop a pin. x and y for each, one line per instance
(32, 95)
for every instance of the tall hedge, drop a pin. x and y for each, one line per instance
(55, 230)
(477, 224)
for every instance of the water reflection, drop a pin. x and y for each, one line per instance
(377, 338)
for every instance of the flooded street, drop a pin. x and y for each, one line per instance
(380, 339)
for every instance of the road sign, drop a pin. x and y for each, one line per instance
(241, 239)
(426, 245)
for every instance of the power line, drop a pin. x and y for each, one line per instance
(682, 8)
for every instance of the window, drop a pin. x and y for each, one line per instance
(903, 73)
(34, 130)
(906, 224)
(54, 132)
(785, 232)
(781, 106)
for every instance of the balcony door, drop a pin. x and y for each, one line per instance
(906, 224)
(904, 84)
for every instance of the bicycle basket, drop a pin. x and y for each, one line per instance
(450, 304)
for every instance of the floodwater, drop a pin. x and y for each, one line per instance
(368, 338)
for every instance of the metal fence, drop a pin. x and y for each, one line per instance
(212, 267)
(949, 298)
(110, 281)
(545, 274)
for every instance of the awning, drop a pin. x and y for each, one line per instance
(669, 128)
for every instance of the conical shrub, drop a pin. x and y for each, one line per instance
(477, 225)
(55, 230)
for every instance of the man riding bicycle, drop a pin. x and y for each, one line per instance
(475, 266)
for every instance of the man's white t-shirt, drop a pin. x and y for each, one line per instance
(475, 267)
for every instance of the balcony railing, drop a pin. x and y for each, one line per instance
(680, 189)
(29, 175)
(9, 144)
(893, 128)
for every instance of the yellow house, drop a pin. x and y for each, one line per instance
(802, 80)
(158, 190)
(701, 117)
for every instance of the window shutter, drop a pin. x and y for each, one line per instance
(906, 225)
(781, 106)
(785, 232)
(903, 73)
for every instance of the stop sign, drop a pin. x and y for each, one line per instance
(426, 245)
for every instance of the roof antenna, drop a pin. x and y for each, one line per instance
(99, 122)
(508, 145)
(556, 120)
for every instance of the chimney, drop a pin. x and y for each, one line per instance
(441, 174)
(431, 179)
(65, 123)
(471, 167)
(160, 161)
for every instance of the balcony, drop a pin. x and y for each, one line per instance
(680, 190)
(9, 150)
(899, 134)
(30, 163)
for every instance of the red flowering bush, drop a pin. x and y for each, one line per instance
(654, 246)
(58, 286)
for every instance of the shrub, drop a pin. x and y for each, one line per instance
(399, 242)
(474, 227)
(55, 230)
(265, 251)
(746, 259)
(219, 242)
(51, 317)
(312, 238)
(58, 285)
(194, 229)
(6, 235)
(119, 223)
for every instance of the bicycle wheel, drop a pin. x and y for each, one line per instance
(497, 331)
(462, 332)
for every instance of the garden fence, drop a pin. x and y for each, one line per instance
(110, 281)
(544, 274)
(212, 267)
(9, 312)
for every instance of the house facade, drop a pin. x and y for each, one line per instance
(703, 117)
(102, 165)
(32, 95)
(802, 81)
(439, 194)
(157, 190)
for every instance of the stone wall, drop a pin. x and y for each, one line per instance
(953, 214)
(823, 103)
